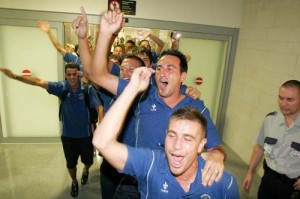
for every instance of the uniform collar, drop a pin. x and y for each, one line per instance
(297, 121)
(281, 120)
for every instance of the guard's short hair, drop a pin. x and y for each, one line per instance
(291, 83)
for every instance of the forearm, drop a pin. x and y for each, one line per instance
(99, 60)
(31, 80)
(111, 43)
(85, 55)
(160, 43)
(255, 159)
(107, 132)
(175, 44)
(56, 44)
(157, 40)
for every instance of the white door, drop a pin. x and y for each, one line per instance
(27, 111)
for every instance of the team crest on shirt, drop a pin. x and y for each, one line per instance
(80, 96)
(165, 188)
(205, 196)
(153, 108)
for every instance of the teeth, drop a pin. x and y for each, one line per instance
(176, 161)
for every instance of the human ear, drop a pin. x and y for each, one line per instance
(201, 145)
(183, 76)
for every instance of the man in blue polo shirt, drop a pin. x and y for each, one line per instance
(77, 128)
(174, 173)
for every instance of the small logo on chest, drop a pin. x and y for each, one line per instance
(81, 96)
(153, 107)
(165, 188)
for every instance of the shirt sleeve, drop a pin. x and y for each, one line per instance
(212, 135)
(121, 86)
(182, 89)
(260, 138)
(115, 70)
(95, 99)
(138, 162)
(231, 188)
(55, 88)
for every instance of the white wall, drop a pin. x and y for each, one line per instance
(268, 54)
(226, 13)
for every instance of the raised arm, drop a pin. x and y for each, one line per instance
(105, 136)
(80, 26)
(44, 26)
(159, 43)
(25, 79)
(111, 22)
(257, 155)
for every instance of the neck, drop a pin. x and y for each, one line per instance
(74, 87)
(289, 119)
(172, 101)
(188, 177)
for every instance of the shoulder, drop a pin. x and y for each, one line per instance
(274, 113)
(58, 84)
(115, 69)
(197, 103)
(69, 57)
(273, 116)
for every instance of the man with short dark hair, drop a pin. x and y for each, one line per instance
(77, 128)
(279, 141)
(175, 172)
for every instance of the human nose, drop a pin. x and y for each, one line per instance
(283, 102)
(178, 143)
(162, 72)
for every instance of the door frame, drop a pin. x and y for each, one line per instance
(193, 30)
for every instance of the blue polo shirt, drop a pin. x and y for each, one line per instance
(150, 168)
(152, 111)
(75, 118)
(106, 96)
(127, 135)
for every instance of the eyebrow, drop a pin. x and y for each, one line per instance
(169, 65)
(184, 135)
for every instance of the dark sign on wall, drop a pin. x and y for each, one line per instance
(126, 6)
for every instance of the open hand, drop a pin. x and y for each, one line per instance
(112, 22)
(44, 26)
(80, 24)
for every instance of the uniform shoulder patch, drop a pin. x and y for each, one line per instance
(272, 113)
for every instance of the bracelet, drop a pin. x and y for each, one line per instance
(114, 35)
